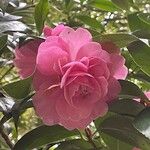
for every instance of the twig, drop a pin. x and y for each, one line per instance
(6, 138)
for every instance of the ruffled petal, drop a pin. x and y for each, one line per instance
(25, 57)
(44, 102)
(48, 56)
(117, 68)
(75, 39)
(93, 49)
(114, 89)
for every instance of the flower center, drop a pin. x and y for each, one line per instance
(83, 91)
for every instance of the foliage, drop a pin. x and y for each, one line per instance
(124, 22)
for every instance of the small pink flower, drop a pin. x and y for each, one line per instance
(75, 79)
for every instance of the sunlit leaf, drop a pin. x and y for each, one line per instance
(40, 14)
(19, 89)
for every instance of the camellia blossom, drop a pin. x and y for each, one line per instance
(74, 78)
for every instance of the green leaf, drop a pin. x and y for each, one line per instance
(140, 53)
(43, 135)
(75, 145)
(40, 14)
(129, 89)
(145, 34)
(19, 89)
(115, 144)
(145, 17)
(142, 122)
(137, 24)
(92, 22)
(123, 4)
(127, 107)
(121, 128)
(3, 43)
(121, 40)
(105, 5)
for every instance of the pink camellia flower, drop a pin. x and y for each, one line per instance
(75, 79)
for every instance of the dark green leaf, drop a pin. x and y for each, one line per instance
(121, 40)
(145, 17)
(19, 89)
(92, 22)
(123, 4)
(127, 107)
(140, 53)
(43, 135)
(105, 5)
(40, 14)
(142, 122)
(115, 144)
(137, 24)
(121, 128)
(75, 145)
(145, 34)
(129, 89)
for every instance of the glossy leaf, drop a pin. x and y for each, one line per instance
(121, 40)
(121, 128)
(92, 22)
(137, 24)
(40, 14)
(123, 4)
(19, 89)
(115, 144)
(105, 5)
(127, 107)
(145, 17)
(142, 122)
(140, 53)
(43, 135)
(12, 26)
(75, 145)
(129, 89)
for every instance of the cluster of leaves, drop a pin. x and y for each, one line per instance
(124, 22)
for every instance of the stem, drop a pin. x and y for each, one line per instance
(6, 138)
(89, 137)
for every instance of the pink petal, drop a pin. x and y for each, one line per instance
(42, 81)
(117, 68)
(110, 47)
(98, 68)
(45, 103)
(58, 29)
(48, 56)
(47, 31)
(75, 39)
(100, 109)
(114, 89)
(92, 49)
(25, 57)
